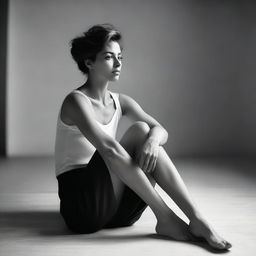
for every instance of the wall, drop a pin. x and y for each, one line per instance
(3, 63)
(188, 63)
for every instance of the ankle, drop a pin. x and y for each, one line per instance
(165, 217)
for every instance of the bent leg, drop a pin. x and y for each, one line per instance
(132, 141)
(129, 172)
(165, 174)
(131, 206)
(168, 178)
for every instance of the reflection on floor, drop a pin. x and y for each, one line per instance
(223, 188)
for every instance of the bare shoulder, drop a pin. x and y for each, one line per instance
(126, 102)
(123, 97)
(70, 102)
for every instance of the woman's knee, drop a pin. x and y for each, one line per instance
(141, 127)
(135, 136)
(138, 131)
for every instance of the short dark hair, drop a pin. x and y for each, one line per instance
(92, 42)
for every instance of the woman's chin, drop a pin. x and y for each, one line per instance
(115, 78)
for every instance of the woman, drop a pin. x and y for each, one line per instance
(104, 183)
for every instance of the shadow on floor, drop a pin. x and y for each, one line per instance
(50, 223)
(40, 222)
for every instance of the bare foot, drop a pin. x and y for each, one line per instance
(200, 228)
(175, 228)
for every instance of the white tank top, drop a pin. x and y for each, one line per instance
(72, 148)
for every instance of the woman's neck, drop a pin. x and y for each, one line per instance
(96, 90)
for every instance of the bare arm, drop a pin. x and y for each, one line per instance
(115, 156)
(134, 112)
(157, 135)
(79, 110)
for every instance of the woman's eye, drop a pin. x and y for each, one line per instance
(109, 57)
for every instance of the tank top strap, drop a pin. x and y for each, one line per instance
(114, 95)
(117, 103)
(79, 92)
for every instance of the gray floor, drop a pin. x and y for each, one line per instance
(223, 188)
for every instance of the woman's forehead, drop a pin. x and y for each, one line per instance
(111, 46)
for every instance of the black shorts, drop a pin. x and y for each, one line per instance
(88, 203)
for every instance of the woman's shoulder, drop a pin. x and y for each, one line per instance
(72, 97)
(121, 96)
(125, 99)
(69, 101)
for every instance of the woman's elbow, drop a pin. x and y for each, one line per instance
(115, 151)
(109, 152)
(108, 149)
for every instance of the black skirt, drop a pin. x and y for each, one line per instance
(88, 203)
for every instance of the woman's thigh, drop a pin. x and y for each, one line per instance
(132, 140)
(87, 196)
(134, 137)
(131, 205)
(87, 200)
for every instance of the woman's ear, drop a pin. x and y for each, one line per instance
(88, 64)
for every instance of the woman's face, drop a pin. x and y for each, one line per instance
(108, 62)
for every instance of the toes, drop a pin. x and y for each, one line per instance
(227, 244)
(224, 245)
(217, 245)
(221, 245)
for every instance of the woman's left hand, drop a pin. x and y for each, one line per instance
(148, 157)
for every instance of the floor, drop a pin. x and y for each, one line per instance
(223, 188)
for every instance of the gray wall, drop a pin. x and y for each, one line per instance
(3, 62)
(190, 64)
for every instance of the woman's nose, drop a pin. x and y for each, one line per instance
(117, 62)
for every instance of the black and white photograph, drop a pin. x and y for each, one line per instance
(127, 127)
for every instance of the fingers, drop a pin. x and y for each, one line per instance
(148, 162)
(150, 165)
(145, 162)
(141, 162)
(154, 165)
